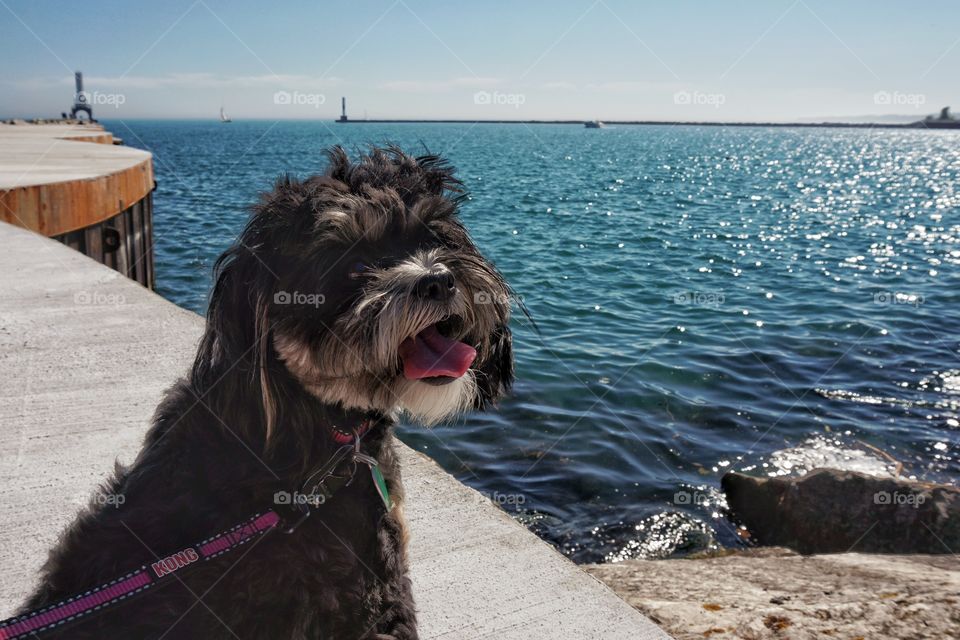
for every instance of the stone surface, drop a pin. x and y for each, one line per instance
(85, 355)
(775, 594)
(832, 511)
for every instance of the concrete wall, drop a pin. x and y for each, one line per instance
(72, 330)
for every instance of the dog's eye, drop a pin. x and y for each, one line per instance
(358, 268)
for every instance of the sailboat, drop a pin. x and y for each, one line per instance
(223, 116)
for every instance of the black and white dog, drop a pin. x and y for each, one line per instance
(349, 299)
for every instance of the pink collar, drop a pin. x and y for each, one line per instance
(343, 437)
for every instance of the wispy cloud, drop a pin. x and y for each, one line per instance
(631, 86)
(559, 86)
(185, 81)
(618, 86)
(439, 86)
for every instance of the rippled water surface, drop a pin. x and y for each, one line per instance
(708, 299)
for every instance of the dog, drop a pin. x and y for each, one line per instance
(349, 300)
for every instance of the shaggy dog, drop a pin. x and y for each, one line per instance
(349, 299)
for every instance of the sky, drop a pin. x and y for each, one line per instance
(751, 60)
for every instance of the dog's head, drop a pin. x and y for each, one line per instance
(364, 285)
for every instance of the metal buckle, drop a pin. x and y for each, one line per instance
(315, 484)
(316, 479)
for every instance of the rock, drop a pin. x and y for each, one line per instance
(773, 593)
(832, 511)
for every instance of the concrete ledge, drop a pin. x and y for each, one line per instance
(85, 355)
(55, 179)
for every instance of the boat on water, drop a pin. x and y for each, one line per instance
(593, 124)
(224, 117)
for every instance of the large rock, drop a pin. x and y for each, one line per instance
(831, 511)
(774, 594)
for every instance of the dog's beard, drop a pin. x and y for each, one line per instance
(429, 404)
(356, 363)
(386, 393)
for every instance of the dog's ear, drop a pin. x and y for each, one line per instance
(231, 316)
(237, 330)
(495, 373)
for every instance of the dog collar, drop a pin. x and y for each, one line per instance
(341, 436)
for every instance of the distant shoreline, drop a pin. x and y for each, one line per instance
(807, 125)
(666, 123)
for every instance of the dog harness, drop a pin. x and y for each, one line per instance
(288, 513)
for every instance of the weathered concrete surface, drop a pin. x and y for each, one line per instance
(84, 357)
(773, 593)
(836, 511)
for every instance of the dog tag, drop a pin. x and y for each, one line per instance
(378, 480)
(381, 486)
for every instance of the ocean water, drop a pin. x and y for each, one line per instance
(708, 299)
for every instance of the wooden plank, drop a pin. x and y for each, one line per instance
(93, 241)
(131, 243)
(122, 252)
(148, 233)
(138, 248)
(109, 258)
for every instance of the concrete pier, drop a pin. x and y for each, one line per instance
(76, 184)
(85, 355)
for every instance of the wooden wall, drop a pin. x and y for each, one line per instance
(123, 242)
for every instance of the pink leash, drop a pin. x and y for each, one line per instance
(321, 484)
(144, 578)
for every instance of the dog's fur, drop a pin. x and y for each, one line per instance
(305, 319)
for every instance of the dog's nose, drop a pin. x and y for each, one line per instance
(436, 286)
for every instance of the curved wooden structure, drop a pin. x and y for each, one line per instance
(74, 184)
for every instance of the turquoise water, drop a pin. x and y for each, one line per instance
(708, 299)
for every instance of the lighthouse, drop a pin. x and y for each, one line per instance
(81, 100)
(343, 110)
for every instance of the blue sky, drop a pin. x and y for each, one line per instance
(578, 59)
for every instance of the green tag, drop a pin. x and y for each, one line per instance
(381, 486)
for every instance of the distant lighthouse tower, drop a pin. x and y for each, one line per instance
(343, 110)
(81, 101)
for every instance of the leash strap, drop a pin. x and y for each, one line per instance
(146, 577)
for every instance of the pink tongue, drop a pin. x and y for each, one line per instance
(429, 354)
